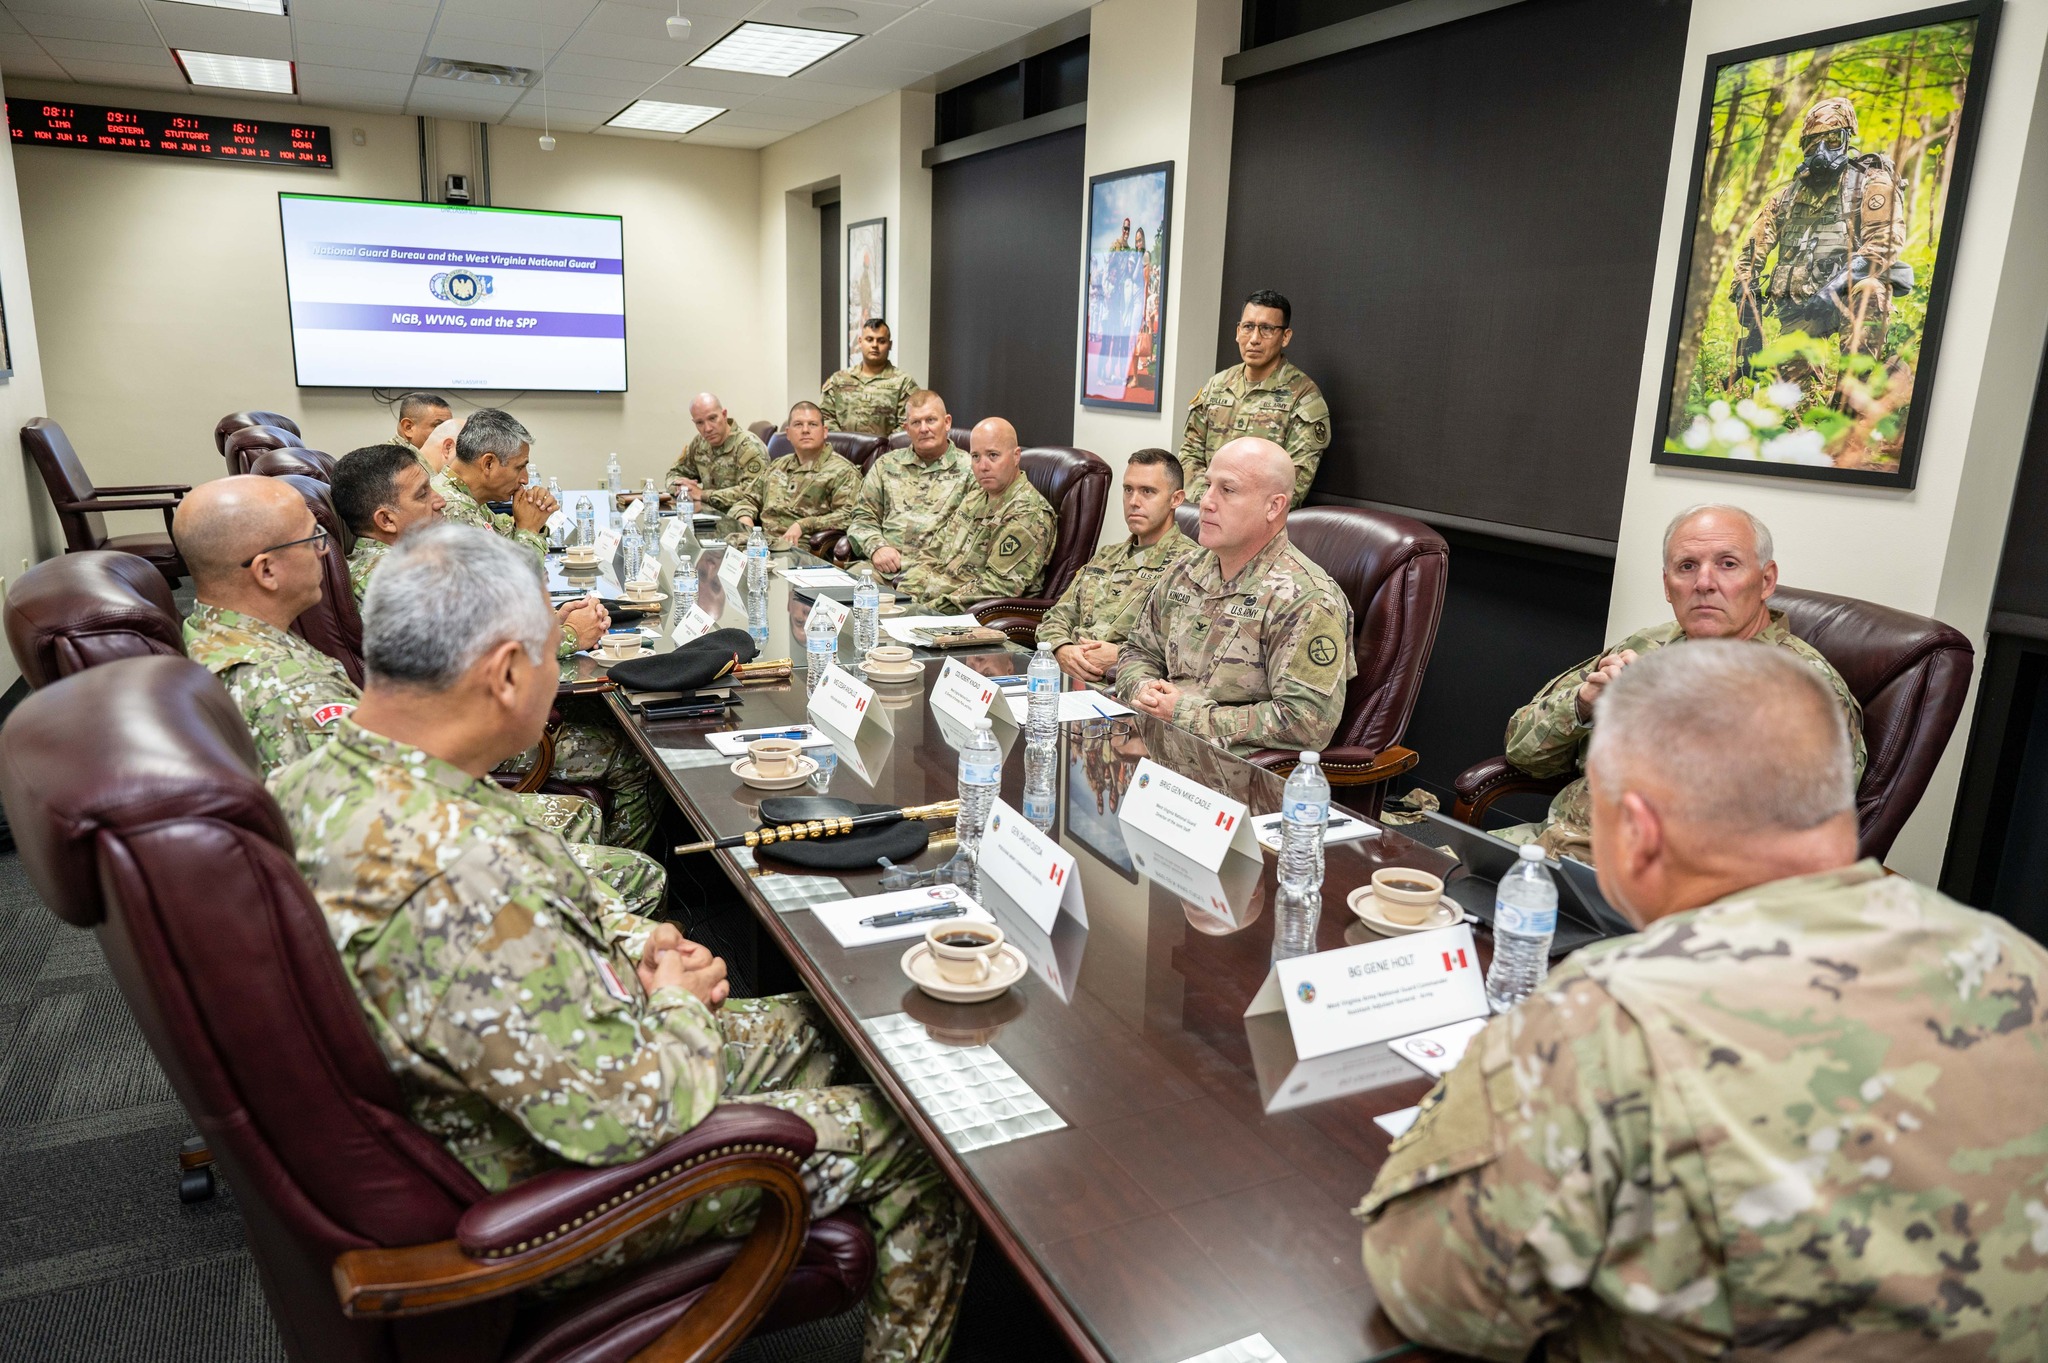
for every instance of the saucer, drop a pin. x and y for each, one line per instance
(1008, 968)
(911, 673)
(605, 655)
(806, 767)
(652, 598)
(1447, 914)
(892, 610)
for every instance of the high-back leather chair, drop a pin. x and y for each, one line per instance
(858, 450)
(373, 1243)
(245, 445)
(1076, 482)
(82, 508)
(235, 421)
(333, 624)
(1908, 672)
(78, 611)
(762, 430)
(293, 459)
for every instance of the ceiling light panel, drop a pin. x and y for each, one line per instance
(226, 71)
(246, 6)
(659, 116)
(771, 49)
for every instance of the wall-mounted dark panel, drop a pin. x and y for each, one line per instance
(1268, 21)
(2023, 570)
(1006, 284)
(831, 307)
(986, 102)
(1466, 221)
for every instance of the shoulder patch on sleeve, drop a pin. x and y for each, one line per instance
(1452, 1134)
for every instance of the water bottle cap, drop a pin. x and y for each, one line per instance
(1530, 852)
(1311, 759)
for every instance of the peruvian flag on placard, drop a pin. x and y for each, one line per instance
(1225, 820)
(1460, 964)
(1059, 875)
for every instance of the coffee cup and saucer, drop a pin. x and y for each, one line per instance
(775, 764)
(964, 962)
(642, 596)
(620, 645)
(580, 557)
(886, 605)
(886, 664)
(1403, 900)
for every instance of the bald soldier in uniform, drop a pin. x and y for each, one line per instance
(1244, 642)
(1803, 1114)
(994, 540)
(532, 1021)
(439, 450)
(868, 398)
(1264, 396)
(1086, 627)
(721, 462)
(1719, 573)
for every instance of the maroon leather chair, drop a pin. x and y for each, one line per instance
(372, 1242)
(1076, 482)
(294, 459)
(82, 508)
(762, 430)
(245, 445)
(1909, 673)
(333, 626)
(235, 421)
(67, 614)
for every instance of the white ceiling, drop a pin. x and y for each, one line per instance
(600, 55)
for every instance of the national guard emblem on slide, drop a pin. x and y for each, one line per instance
(459, 286)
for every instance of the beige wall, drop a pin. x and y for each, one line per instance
(28, 530)
(1933, 550)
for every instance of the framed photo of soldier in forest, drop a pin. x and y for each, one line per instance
(1827, 196)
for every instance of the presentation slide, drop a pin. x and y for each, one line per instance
(387, 294)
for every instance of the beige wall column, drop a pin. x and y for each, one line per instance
(28, 526)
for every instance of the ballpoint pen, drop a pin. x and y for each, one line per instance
(779, 733)
(902, 916)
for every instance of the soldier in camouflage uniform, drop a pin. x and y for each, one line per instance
(908, 492)
(1245, 642)
(803, 493)
(1837, 230)
(491, 456)
(1088, 624)
(418, 416)
(868, 399)
(722, 462)
(533, 1022)
(1265, 396)
(994, 541)
(1801, 1115)
(1718, 576)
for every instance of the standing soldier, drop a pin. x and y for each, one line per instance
(868, 400)
(1265, 396)
(1837, 230)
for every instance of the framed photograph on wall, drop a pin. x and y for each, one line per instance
(867, 278)
(1128, 231)
(1827, 193)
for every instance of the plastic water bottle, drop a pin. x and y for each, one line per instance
(1041, 793)
(1305, 813)
(685, 583)
(631, 550)
(1524, 921)
(1042, 707)
(652, 496)
(981, 776)
(586, 522)
(614, 481)
(684, 511)
(821, 651)
(757, 560)
(867, 610)
(555, 490)
(757, 618)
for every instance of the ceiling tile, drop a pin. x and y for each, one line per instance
(606, 68)
(165, 77)
(67, 50)
(8, 23)
(361, 39)
(198, 28)
(732, 84)
(98, 10)
(532, 37)
(562, 87)
(563, 13)
(398, 61)
(868, 16)
(798, 103)
(131, 28)
(708, 18)
(1030, 13)
(25, 66)
(749, 118)
(954, 30)
(310, 17)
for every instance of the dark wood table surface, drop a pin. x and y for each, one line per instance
(1180, 1209)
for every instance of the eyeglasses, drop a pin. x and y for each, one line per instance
(318, 539)
(1834, 141)
(1266, 329)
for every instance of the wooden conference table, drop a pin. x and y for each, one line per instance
(1183, 1205)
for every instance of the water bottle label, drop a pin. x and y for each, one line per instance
(1527, 922)
(980, 774)
(1308, 811)
(1049, 686)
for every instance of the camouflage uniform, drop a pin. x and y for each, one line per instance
(866, 404)
(809, 499)
(362, 561)
(290, 694)
(464, 509)
(725, 473)
(1805, 1121)
(1261, 660)
(1285, 407)
(985, 548)
(499, 980)
(1545, 737)
(903, 499)
(1107, 594)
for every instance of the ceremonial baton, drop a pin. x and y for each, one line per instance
(823, 828)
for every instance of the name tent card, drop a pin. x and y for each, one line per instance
(1335, 1000)
(694, 623)
(1030, 868)
(1203, 823)
(732, 568)
(834, 613)
(961, 693)
(672, 534)
(607, 546)
(842, 703)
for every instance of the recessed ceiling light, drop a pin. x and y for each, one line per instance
(772, 49)
(250, 6)
(659, 116)
(227, 71)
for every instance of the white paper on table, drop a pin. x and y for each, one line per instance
(1439, 1049)
(1396, 1123)
(1340, 828)
(900, 628)
(842, 919)
(1074, 706)
(734, 743)
(818, 577)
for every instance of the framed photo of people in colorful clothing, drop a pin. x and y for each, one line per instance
(1827, 193)
(1128, 227)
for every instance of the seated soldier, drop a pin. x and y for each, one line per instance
(490, 462)
(1798, 1116)
(1245, 641)
(723, 460)
(418, 415)
(994, 540)
(803, 493)
(1088, 623)
(439, 450)
(1719, 574)
(908, 492)
(532, 1021)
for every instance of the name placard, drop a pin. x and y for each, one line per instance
(607, 547)
(731, 568)
(672, 534)
(831, 612)
(1184, 813)
(962, 694)
(1030, 868)
(694, 623)
(842, 703)
(1335, 1000)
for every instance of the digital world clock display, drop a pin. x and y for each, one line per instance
(152, 132)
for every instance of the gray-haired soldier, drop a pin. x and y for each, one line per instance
(490, 461)
(531, 1019)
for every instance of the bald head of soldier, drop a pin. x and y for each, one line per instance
(253, 547)
(1251, 483)
(1719, 572)
(1715, 768)
(710, 418)
(992, 449)
(439, 451)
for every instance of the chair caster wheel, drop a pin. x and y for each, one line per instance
(196, 1185)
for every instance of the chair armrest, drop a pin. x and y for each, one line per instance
(549, 1224)
(1344, 766)
(1480, 784)
(823, 543)
(531, 780)
(137, 504)
(1016, 616)
(146, 490)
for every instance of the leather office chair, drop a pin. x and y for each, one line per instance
(333, 625)
(1909, 673)
(1076, 482)
(245, 445)
(762, 430)
(235, 421)
(294, 459)
(78, 611)
(82, 508)
(373, 1243)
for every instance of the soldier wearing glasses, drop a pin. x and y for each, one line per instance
(1265, 396)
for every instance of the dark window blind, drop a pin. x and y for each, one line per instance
(831, 305)
(1466, 222)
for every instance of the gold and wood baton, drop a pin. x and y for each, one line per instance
(823, 828)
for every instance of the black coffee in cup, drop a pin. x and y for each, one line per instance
(963, 939)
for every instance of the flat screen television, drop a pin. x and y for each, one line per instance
(390, 294)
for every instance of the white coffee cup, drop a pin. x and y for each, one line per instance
(1405, 895)
(969, 958)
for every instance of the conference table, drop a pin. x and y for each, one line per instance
(1166, 1178)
